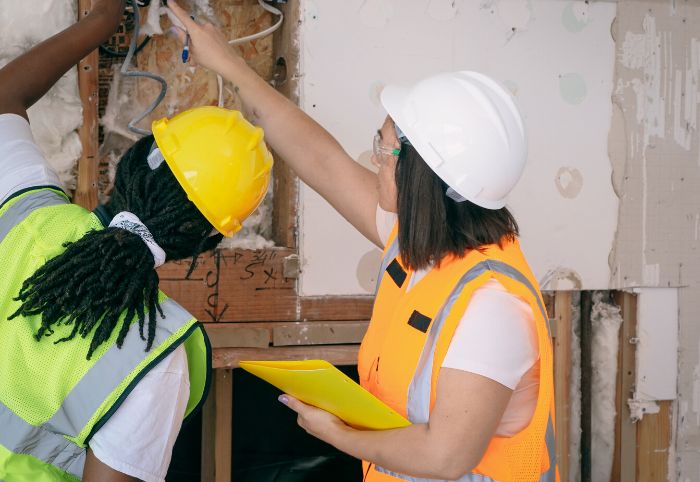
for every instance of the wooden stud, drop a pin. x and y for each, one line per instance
(562, 371)
(653, 443)
(625, 461)
(86, 189)
(217, 430)
(286, 81)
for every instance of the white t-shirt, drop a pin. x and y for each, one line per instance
(495, 338)
(138, 439)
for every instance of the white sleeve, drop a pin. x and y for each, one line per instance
(22, 163)
(496, 336)
(385, 222)
(138, 439)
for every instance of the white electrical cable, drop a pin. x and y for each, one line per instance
(250, 38)
(267, 31)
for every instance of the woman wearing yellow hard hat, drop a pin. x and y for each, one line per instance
(459, 340)
(98, 368)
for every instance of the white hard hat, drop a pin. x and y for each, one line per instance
(467, 128)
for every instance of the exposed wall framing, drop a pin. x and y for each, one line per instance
(249, 300)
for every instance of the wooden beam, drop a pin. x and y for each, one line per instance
(251, 286)
(562, 383)
(653, 443)
(285, 79)
(243, 335)
(86, 190)
(625, 461)
(331, 308)
(234, 285)
(335, 354)
(318, 333)
(217, 430)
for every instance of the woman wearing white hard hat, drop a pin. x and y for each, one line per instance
(459, 340)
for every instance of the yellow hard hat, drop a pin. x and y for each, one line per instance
(220, 160)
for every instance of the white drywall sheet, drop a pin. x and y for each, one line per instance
(557, 57)
(657, 344)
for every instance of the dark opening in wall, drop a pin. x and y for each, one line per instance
(268, 445)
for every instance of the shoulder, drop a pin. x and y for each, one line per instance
(22, 163)
(496, 336)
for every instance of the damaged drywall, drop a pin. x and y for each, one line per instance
(655, 151)
(56, 117)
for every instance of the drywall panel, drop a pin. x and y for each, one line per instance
(657, 344)
(556, 57)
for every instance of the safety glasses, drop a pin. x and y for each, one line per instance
(378, 149)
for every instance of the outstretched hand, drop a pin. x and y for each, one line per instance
(208, 46)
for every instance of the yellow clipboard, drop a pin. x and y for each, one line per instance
(318, 383)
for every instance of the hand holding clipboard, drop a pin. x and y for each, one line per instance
(318, 383)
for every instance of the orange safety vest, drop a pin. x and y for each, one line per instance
(408, 338)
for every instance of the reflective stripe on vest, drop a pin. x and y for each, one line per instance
(47, 442)
(26, 205)
(418, 403)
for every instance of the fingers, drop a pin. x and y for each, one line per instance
(292, 403)
(181, 15)
(179, 33)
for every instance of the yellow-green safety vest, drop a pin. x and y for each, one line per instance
(52, 399)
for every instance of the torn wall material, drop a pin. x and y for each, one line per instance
(657, 177)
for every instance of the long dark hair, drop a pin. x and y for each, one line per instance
(109, 273)
(432, 225)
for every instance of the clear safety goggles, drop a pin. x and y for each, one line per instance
(379, 150)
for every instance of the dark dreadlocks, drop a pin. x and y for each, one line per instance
(109, 273)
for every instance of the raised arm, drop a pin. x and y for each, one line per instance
(27, 78)
(314, 155)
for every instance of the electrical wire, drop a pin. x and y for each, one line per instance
(116, 53)
(136, 73)
(134, 48)
(267, 31)
(250, 38)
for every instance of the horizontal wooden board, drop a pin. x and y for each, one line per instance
(251, 286)
(196, 293)
(336, 354)
(234, 285)
(332, 308)
(245, 335)
(318, 333)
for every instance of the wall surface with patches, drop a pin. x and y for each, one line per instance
(655, 150)
(556, 57)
